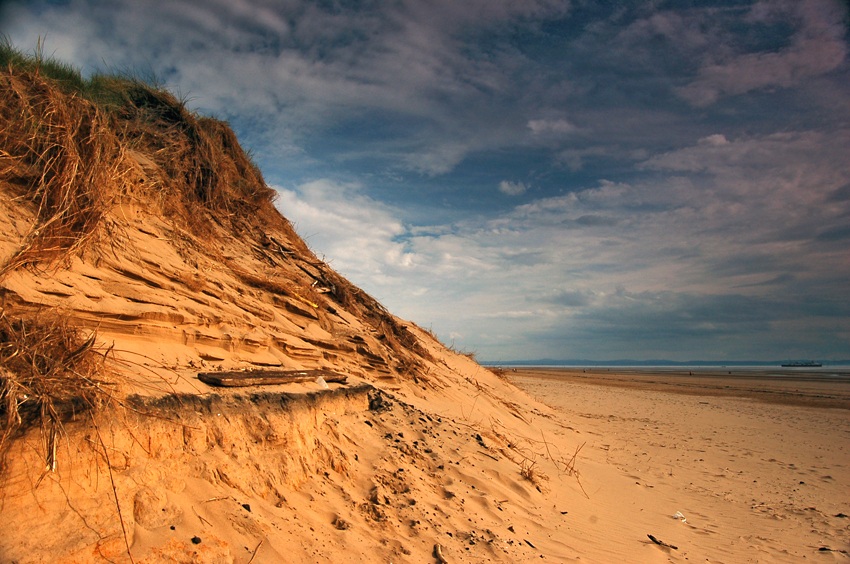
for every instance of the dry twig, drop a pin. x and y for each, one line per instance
(438, 554)
(114, 489)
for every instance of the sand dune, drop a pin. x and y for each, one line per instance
(141, 248)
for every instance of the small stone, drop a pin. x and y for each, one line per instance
(196, 540)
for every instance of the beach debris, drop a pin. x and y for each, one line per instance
(241, 378)
(377, 402)
(256, 550)
(487, 454)
(200, 517)
(828, 549)
(438, 554)
(680, 517)
(662, 543)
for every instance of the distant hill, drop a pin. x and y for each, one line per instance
(654, 362)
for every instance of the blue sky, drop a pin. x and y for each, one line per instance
(536, 179)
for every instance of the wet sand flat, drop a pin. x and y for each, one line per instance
(756, 464)
(814, 388)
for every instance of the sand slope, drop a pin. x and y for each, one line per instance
(174, 261)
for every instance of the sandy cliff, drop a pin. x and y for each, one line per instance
(140, 246)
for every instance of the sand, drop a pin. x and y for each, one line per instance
(299, 473)
(751, 480)
(570, 467)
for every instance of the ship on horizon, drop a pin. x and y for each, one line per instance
(802, 364)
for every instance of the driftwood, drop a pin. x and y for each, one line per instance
(233, 379)
(662, 543)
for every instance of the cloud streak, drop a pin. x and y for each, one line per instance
(817, 47)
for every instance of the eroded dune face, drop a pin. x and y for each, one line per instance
(296, 477)
(139, 246)
(151, 226)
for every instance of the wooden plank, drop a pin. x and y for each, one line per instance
(232, 379)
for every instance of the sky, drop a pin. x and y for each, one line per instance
(538, 179)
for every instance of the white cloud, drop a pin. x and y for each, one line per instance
(555, 127)
(358, 234)
(438, 157)
(716, 140)
(512, 188)
(575, 158)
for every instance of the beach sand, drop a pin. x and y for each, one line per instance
(756, 465)
(571, 467)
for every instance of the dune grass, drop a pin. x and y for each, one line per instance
(66, 147)
(65, 141)
(49, 372)
(71, 150)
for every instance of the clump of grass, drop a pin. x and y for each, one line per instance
(526, 470)
(65, 141)
(49, 372)
(497, 371)
(65, 75)
(60, 154)
(203, 163)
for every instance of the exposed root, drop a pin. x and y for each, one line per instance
(114, 489)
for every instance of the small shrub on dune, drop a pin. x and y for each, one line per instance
(49, 372)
